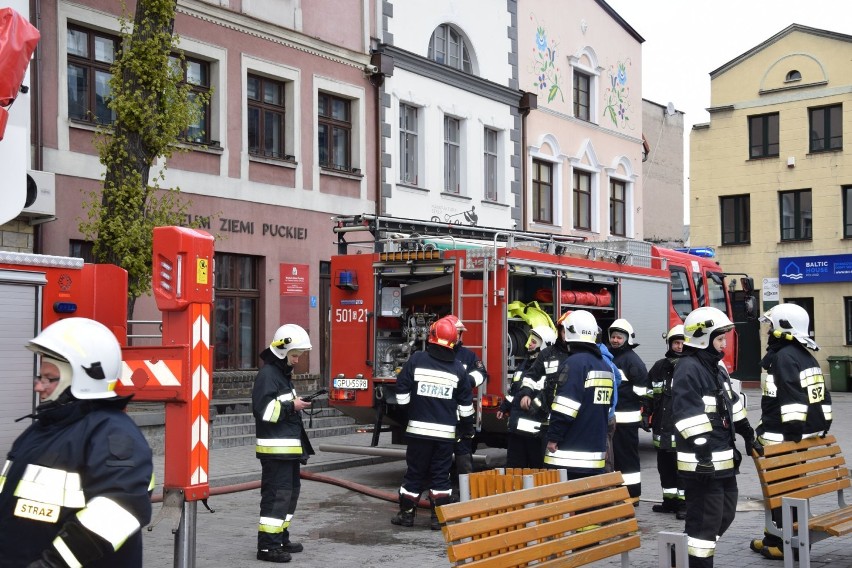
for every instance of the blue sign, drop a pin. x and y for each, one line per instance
(313, 301)
(815, 269)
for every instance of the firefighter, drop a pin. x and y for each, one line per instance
(525, 447)
(633, 391)
(795, 404)
(75, 489)
(580, 411)
(538, 385)
(434, 390)
(282, 444)
(706, 414)
(660, 417)
(477, 376)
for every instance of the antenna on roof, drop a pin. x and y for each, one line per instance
(670, 109)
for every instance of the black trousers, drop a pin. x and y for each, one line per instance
(625, 446)
(670, 481)
(525, 451)
(279, 493)
(428, 464)
(710, 509)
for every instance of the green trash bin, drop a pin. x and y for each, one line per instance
(841, 372)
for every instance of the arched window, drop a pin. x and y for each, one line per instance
(449, 47)
(793, 76)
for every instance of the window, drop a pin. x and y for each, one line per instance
(408, 166)
(582, 95)
(796, 215)
(237, 310)
(826, 128)
(793, 76)
(716, 292)
(847, 211)
(763, 136)
(847, 310)
(334, 130)
(90, 55)
(490, 165)
(452, 154)
(266, 114)
(542, 192)
(582, 200)
(82, 249)
(736, 219)
(196, 74)
(618, 208)
(448, 46)
(681, 292)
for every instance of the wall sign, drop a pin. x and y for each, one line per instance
(815, 269)
(294, 279)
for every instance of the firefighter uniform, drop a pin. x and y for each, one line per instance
(477, 375)
(539, 383)
(632, 392)
(580, 412)
(795, 403)
(663, 432)
(706, 413)
(75, 488)
(434, 389)
(282, 445)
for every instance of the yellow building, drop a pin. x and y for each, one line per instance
(771, 184)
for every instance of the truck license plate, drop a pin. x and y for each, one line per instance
(359, 384)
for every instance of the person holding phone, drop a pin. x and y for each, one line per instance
(282, 444)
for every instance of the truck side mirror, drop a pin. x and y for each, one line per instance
(747, 283)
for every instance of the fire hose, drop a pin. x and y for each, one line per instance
(310, 476)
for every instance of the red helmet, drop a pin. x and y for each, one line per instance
(456, 322)
(443, 332)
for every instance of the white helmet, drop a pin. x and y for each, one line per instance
(674, 333)
(580, 326)
(287, 338)
(545, 334)
(92, 354)
(790, 321)
(702, 323)
(623, 326)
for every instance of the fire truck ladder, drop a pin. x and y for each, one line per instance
(377, 224)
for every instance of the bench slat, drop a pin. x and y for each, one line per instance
(809, 492)
(513, 499)
(786, 447)
(574, 542)
(785, 486)
(544, 530)
(835, 523)
(769, 465)
(590, 555)
(498, 519)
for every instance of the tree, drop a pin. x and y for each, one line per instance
(153, 109)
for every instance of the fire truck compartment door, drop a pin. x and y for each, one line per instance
(20, 304)
(645, 304)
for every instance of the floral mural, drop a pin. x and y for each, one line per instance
(617, 96)
(544, 65)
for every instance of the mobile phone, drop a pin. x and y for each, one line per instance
(310, 397)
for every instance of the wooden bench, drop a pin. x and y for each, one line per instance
(503, 480)
(570, 523)
(792, 473)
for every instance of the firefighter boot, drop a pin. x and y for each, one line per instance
(434, 523)
(278, 555)
(407, 512)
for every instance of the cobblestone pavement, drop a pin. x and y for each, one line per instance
(341, 528)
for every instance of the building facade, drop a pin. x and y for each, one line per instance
(286, 141)
(663, 175)
(583, 145)
(771, 178)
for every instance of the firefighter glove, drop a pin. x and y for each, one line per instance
(792, 431)
(705, 470)
(466, 430)
(756, 446)
(703, 452)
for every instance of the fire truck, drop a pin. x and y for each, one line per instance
(388, 287)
